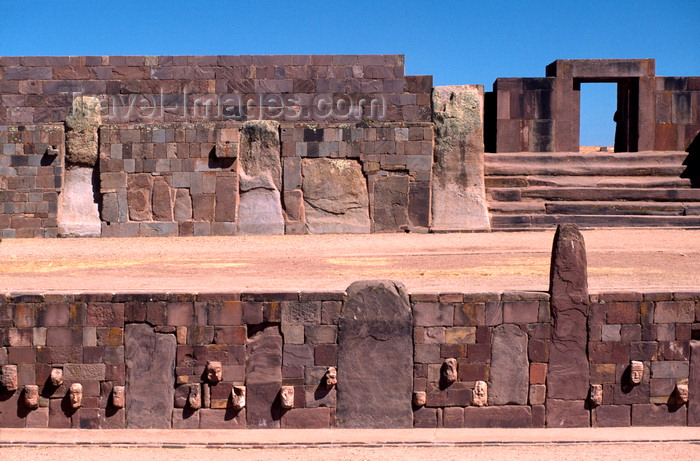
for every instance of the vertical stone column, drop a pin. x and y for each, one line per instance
(150, 377)
(568, 375)
(78, 214)
(694, 385)
(458, 193)
(375, 357)
(264, 378)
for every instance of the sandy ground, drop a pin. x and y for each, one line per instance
(645, 260)
(587, 452)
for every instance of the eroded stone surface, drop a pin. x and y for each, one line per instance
(449, 371)
(480, 395)
(56, 377)
(150, 364)
(331, 377)
(8, 379)
(509, 373)
(214, 372)
(78, 214)
(458, 194)
(420, 398)
(596, 394)
(238, 397)
(681, 392)
(375, 352)
(75, 394)
(335, 196)
(264, 378)
(194, 399)
(287, 397)
(81, 131)
(260, 212)
(568, 374)
(31, 396)
(118, 396)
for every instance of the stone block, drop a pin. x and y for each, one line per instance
(658, 415)
(508, 382)
(567, 413)
(210, 418)
(611, 416)
(674, 312)
(433, 314)
(501, 417)
(520, 311)
(694, 385)
(425, 418)
(453, 417)
(264, 378)
(390, 205)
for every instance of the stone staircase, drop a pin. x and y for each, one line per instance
(538, 190)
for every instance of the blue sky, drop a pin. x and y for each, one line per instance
(456, 42)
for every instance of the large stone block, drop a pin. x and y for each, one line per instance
(78, 214)
(505, 416)
(458, 195)
(375, 363)
(567, 413)
(509, 377)
(390, 207)
(568, 376)
(150, 377)
(264, 378)
(260, 213)
(694, 385)
(335, 196)
(81, 131)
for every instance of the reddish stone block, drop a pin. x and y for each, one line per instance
(453, 417)
(674, 350)
(12, 410)
(658, 415)
(520, 311)
(470, 314)
(425, 418)
(59, 413)
(156, 313)
(180, 314)
(538, 416)
(113, 418)
(326, 355)
(459, 394)
(538, 373)
(38, 419)
(509, 416)
(469, 371)
(18, 355)
(674, 312)
(567, 413)
(433, 314)
(307, 418)
(230, 335)
(105, 315)
(479, 352)
(611, 416)
(622, 312)
(538, 350)
(63, 336)
(135, 311)
(222, 418)
(626, 395)
(644, 351)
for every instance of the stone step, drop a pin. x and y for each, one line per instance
(619, 208)
(529, 207)
(593, 194)
(588, 181)
(529, 222)
(591, 169)
(577, 158)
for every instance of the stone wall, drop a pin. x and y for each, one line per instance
(268, 340)
(677, 113)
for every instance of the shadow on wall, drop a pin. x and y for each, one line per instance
(692, 163)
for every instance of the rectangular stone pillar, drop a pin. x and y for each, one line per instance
(264, 378)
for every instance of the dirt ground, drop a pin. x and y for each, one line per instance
(645, 260)
(584, 452)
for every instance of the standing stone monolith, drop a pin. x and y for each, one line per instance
(260, 180)
(568, 374)
(458, 193)
(694, 385)
(150, 377)
(264, 378)
(509, 376)
(375, 357)
(78, 213)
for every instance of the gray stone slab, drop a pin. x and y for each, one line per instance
(375, 363)
(150, 377)
(264, 378)
(510, 369)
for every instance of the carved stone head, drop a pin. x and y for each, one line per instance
(480, 396)
(682, 391)
(419, 398)
(238, 397)
(31, 396)
(331, 377)
(75, 394)
(194, 399)
(636, 371)
(8, 379)
(214, 372)
(449, 371)
(596, 396)
(287, 396)
(118, 396)
(56, 377)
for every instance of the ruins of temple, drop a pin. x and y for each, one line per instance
(140, 146)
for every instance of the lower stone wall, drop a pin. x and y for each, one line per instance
(159, 346)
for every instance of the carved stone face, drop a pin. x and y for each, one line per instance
(194, 400)
(480, 394)
(8, 379)
(76, 395)
(238, 397)
(419, 398)
(596, 394)
(682, 392)
(331, 377)
(287, 396)
(31, 396)
(118, 396)
(449, 371)
(636, 371)
(214, 372)
(56, 376)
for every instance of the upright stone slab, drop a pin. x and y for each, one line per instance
(568, 375)
(509, 366)
(264, 378)
(694, 385)
(375, 357)
(458, 195)
(150, 377)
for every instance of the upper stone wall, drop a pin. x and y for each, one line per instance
(157, 89)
